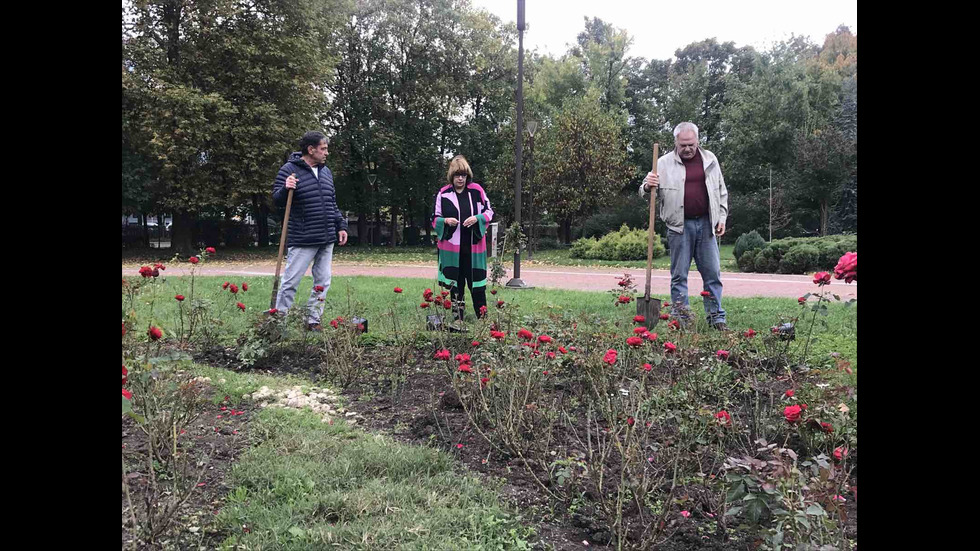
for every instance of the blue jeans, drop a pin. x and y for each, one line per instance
(697, 242)
(297, 260)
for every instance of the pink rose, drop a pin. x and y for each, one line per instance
(846, 268)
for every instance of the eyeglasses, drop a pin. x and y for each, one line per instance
(463, 174)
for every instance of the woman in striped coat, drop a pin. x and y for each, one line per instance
(462, 213)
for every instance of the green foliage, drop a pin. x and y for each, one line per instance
(625, 244)
(798, 255)
(748, 241)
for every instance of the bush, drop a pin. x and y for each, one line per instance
(799, 259)
(748, 241)
(625, 244)
(795, 255)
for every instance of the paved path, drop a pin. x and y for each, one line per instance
(736, 284)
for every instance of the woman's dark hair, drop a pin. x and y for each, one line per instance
(311, 139)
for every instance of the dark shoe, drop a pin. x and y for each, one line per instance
(314, 327)
(721, 326)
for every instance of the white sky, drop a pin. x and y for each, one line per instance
(660, 28)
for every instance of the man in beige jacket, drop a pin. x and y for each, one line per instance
(693, 202)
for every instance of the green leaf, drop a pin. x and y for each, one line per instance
(297, 531)
(127, 406)
(733, 511)
(816, 510)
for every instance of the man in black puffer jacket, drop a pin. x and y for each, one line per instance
(315, 223)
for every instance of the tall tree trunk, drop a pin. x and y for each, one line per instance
(261, 212)
(566, 230)
(182, 240)
(376, 233)
(824, 209)
(362, 228)
(394, 227)
(145, 237)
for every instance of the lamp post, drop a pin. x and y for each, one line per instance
(516, 282)
(372, 178)
(532, 127)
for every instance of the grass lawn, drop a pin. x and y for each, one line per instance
(373, 297)
(412, 255)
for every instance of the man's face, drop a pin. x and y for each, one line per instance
(319, 153)
(687, 145)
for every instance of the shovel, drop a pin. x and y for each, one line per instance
(282, 246)
(648, 307)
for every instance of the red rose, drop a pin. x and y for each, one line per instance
(723, 417)
(647, 367)
(146, 271)
(333, 323)
(827, 427)
(424, 305)
(610, 357)
(447, 304)
(156, 272)
(234, 289)
(792, 413)
(639, 319)
(669, 347)
(443, 293)
(127, 394)
(159, 266)
(544, 338)
(803, 406)
(562, 350)
(318, 288)
(155, 333)
(125, 372)
(705, 294)
(801, 300)
(273, 310)
(634, 341)
(443, 354)
(484, 381)
(493, 292)
(630, 421)
(623, 299)
(463, 358)
(722, 354)
(193, 260)
(651, 336)
(179, 298)
(483, 311)
(846, 268)
(674, 324)
(525, 334)
(750, 333)
(475, 344)
(498, 334)
(210, 250)
(789, 393)
(224, 285)
(640, 330)
(124, 328)
(551, 355)
(821, 278)
(244, 286)
(398, 289)
(465, 368)
(240, 306)
(840, 453)
(664, 316)
(500, 304)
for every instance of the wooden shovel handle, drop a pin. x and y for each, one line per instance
(653, 204)
(282, 246)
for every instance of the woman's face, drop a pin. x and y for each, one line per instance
(459, 179)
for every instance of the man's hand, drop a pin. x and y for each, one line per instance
(720, 229)
(452, 221)
(469, 221)
(342, 235)
(291, 181)
(652, 180)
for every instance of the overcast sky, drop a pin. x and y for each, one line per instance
(660, 28)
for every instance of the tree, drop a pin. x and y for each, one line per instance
(582, 159)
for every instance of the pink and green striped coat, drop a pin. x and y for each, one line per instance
(448, 236)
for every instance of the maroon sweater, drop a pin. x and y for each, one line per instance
(695, 189)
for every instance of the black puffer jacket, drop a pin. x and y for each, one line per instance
(314, 218)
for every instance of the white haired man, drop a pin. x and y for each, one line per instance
(693, 202)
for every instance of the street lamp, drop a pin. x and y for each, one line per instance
(532, 127)
(516, 282)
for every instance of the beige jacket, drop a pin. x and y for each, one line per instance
(670, 193)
